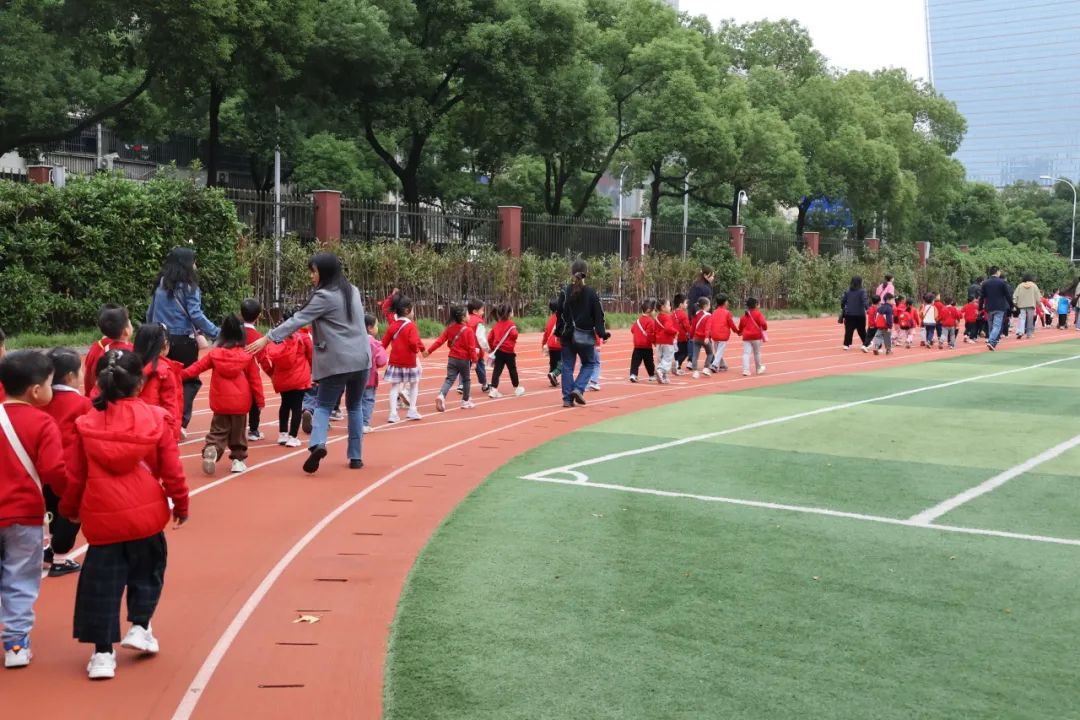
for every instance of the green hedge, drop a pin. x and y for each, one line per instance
(66, 251)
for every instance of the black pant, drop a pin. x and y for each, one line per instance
(62, 531)
(507, 360)
(682, 351)
(854, 324)
(554, 358)
(184, 350)
(870, 334)
(292, 407)
(254, 417)
(457, 370)
(1063, 320)
(642, 355)
(137, 566)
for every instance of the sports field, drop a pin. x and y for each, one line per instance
(895, 544)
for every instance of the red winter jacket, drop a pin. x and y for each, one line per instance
(234, 383)
(504, 335)
(125, 455)
(700, 328)
(752, 325)
(290, 362)
(405, 345)
(666, 331)
(66, 407)
(162, 388)
(462, 342)
(550, 338)
(644, 332)
(251, 334)
(93, 356)
(387, 307)
(971, 312)
(682, 324)
(949, 317)
(21, 502)
(722, 324)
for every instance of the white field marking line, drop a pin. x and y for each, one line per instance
(812, 511)
(927, 517)
(787, 418)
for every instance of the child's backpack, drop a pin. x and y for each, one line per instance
(880, 321)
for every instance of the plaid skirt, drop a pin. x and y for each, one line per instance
(137, 566)
(395, 374)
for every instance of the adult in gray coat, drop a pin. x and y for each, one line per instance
(342, 358)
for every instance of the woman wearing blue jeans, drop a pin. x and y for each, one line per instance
(342, 358)
(579, 320)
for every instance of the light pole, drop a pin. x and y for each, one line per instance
(743, 199)
(1072, 241)
(621, 176)
(685, 212)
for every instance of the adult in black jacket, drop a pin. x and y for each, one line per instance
(996, 297)
(853, 306)
(702, 287)
(579, 320)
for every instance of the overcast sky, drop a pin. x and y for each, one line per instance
(852, 34)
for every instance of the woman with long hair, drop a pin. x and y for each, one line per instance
(177, 304)
(853, 307)
(702, 287)
(342, 357)
(579, 321)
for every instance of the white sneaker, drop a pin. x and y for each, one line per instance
(761, 370)
(594, 386)
(282, 438)
(494, 394)
(368, 428)
(866, 348)
(141, 639)
(468, 405)
(255, 436)
(184, 435)
(519, 391)
(393, 419)
(695, 375)
(706, 372)
(652, 378)
(413, 415)
(845, 348)
(102, 666)
(209, 459)
(238, 466)
(18, 656)
(633, 378)
(292, 442)
(746, 373)
(440, 403)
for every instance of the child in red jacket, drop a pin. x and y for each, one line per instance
(970, 313)
(699, 336)
(67, 405)
(461, 342)
(666, 332)
(290, 372)
(643, 332)
(250, 312)
(682, 328)
(3, 339)
(552, 345)
(948, 319)
(234, 384)
(721, 325)
(162, 386)
(752, 327)
(503, 343)
(115, 326)
(31, 455)
(403, 340)
(126, 468)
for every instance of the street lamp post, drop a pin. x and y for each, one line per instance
(1072, 240)
(621, 176)
(743, 199)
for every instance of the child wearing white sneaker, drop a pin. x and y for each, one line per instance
(461, 342)
(379, 360)
(503, 342)
(752, 327)
(403, 340)
(289, 363)
(644, 333)
(125, 467)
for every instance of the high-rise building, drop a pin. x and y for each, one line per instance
(673, 3)
(1013, 69)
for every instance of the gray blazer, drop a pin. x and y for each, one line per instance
(340, 346)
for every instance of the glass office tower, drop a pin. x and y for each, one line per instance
(1013, 69)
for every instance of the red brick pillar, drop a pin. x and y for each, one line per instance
(813, 242)
(873, 244)
(737, 233)
(923, 249)
(327, 215)
(40, 174)
(510, 230)
(964, 248)
(637, 238)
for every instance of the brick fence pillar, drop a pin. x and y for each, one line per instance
(873, 244)
(40, 174)
(923, 249)
(813, 242)
(737, 233)
(327, 215)
(510, 230)
(964, 248)
(637, 238)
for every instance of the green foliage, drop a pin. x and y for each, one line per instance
(325, 161)
(67, 251)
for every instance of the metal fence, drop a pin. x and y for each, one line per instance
(671, 239)
(769, 248)
(256, 210)
(844, 247)
(570, 236)
(13, 175)
(373, 221)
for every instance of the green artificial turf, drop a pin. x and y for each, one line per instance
(538, 600)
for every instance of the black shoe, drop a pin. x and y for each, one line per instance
(578, 397)
(305, 421)
(59, 569)
(356, 464)
(311, 465)
(553, 379)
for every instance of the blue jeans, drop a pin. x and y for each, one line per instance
(589, 366)
(595, 377)
(21, 550)
(311, 399)
(330, 390)
(367, 405)
(481, 372)
(997, 318)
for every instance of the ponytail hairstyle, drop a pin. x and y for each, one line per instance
(579, 270)
(119, 377)
(65, 362)
(648, 305)
(402, 305)
(150, 338)
(232, 332)
(457, 314)
(503, 311)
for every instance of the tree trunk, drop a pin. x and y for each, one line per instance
(655, 186)
(800, 223)
(217, 95)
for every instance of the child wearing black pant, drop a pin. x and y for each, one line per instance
(503, 342)
(644, 334)
(682, 327)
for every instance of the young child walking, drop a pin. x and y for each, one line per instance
(551, 345)
(682, 327)
(463, 350)
(125, 469)
(666, 333)
(643, 332)
(1063, 310)
(871, 322)
(162, 386)
(67, 406)
(883, 321)
(699, 337)
(752, 328)
(477, 309)
(250, 312)
(948, 320)
(503, 343)
(928, 314)
(379, 360)
(721, 325)
(971, 321)
(116, 330)
(31, 457)
(289, 363)
(234, 385)
(403, 340)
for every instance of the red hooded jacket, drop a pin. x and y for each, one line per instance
(682, 324)
(234, 383)
(550, 338)
(162, 388)
(290, 362)
(405, 345)
(66, 407)
(504, 335)
(21, 502)
(462, 342)
(93, 356)
(127, 463)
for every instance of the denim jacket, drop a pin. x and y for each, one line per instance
(170, 312)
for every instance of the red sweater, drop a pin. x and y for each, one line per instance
(290, 362)
(164, 389)
(700, 328)
(21, 502)
(666, 331)
(404, 346)
(235, 382)
(504, 334)
(971, 312)
(871, 316)
(387, 307)
(643, 331)
(752, 325)
(251, 334)
(66, 407)
(127, 463)
(463, 348)
(550, 338)
(93, 356)
(722, 324)
(949, 317)
(682, 324)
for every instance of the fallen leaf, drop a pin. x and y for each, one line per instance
(952, 557)
(1008, 611)
(817, 577)
(310, 619)
(598, 515)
